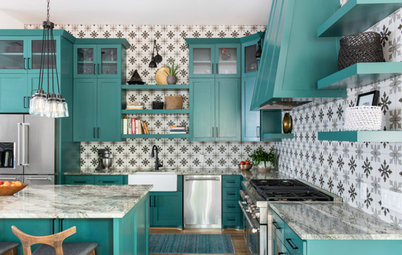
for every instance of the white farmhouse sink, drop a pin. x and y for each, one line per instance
(162, 181)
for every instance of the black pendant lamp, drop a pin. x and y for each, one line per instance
(48, 104)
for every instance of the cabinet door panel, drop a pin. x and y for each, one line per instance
(14, 93)
(167, 209)
(109, 61)
(202, 61)
(227, 60)
(203, 109)
(13, 55)
(85, 62)
(85, 111)
(35, 50)
(228, 111)
(109, 110)
(250, 119)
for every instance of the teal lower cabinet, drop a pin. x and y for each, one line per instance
(166, 208)
(117, 236)
(286, 241)
(232, 216)
(15, 92)
(95, 179)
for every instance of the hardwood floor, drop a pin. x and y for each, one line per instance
(237, 236)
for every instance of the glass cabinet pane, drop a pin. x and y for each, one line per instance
(250, 60)
(12, 54)
(50, 50)
(85, 61)
(202, 61)
(109, 60)
(227, 61)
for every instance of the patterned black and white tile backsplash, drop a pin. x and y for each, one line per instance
(366, 175)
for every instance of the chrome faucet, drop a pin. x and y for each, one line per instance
(154, 153)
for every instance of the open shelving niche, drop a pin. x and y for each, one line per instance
(357, 16)
(271, 123)
(125, 87)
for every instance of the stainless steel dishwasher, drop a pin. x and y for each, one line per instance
(202, 201)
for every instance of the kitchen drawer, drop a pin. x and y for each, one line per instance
(278, 226)
(233, 220)
(280, 248)
(230, 206)
(79, 179)
(231, 181)
(109, 180)
(232, 194)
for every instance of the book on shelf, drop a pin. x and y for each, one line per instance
(133, 126)
(177, 130)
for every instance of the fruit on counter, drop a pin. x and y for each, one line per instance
(247, 162)
(10, 184)
(242, 163)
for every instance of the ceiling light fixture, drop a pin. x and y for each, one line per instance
(48, 104)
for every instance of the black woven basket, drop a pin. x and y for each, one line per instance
(358, 48)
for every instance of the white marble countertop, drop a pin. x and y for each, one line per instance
(72, 201)
(328, 221)
(193, 171)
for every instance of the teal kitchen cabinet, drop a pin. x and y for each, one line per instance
(166, 208)
(214, 57)
(250, 120)
(232, 216)
(97, 110)
(293, 57)
(20, 56)
(95, 179)
(100, 58)
(216, 109)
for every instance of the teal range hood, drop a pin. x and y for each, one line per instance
(293, 57)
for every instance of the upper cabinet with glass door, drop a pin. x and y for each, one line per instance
(101, 58)
(214, 57)
(13, 55)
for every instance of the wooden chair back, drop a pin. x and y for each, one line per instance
(56, 240)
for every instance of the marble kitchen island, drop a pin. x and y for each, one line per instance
(115, 216)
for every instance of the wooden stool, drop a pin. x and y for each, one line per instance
(53, 244)
(8, 248)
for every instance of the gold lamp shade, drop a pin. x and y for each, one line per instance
(161, 76)
(287, 123)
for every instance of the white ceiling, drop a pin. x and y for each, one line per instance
(140, 12)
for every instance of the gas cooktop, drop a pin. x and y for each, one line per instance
(288, 190)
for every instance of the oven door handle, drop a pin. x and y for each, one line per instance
(255, 227)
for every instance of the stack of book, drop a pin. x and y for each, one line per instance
(133, 126)
(177, 130)
(135, 106)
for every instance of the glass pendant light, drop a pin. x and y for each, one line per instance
(42, 103)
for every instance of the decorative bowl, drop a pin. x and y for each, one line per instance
(11, 190)
(245, 167)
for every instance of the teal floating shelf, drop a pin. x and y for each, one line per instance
(357, 16)
(276, 136)
(156, 87)
(162, 111)
(362, 136)
(157, 136)
(360, 74)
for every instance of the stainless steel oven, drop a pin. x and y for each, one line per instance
(254, 233)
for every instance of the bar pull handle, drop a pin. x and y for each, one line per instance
(217, 133)
(19, 143)
(94, 132)
(213, 132)
(28, 63)
(25, 63)
(25, 144)
(98, 69)
(276, 225)
(258, 131)
(292, 244)
(94, 68)
(97, 129)
(217, 68)
(9, 178)
(202, 179)
(39, 178)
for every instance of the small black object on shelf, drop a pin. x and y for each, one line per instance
(135, 79)
(157, 105)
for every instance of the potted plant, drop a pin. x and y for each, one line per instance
(172, 72)
(263, 160)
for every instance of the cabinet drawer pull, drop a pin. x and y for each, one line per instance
(213, 132)
(231, 182)
(80, 182)
(231, 194)
(258, 131)
(28, 63)
(94, 133)
(108, 182)
(292, 244)
(98, 132)
(231, 219)
(276, 225)
(281, 253)
(231, 206)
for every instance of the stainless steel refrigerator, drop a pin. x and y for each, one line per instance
(27, 148)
